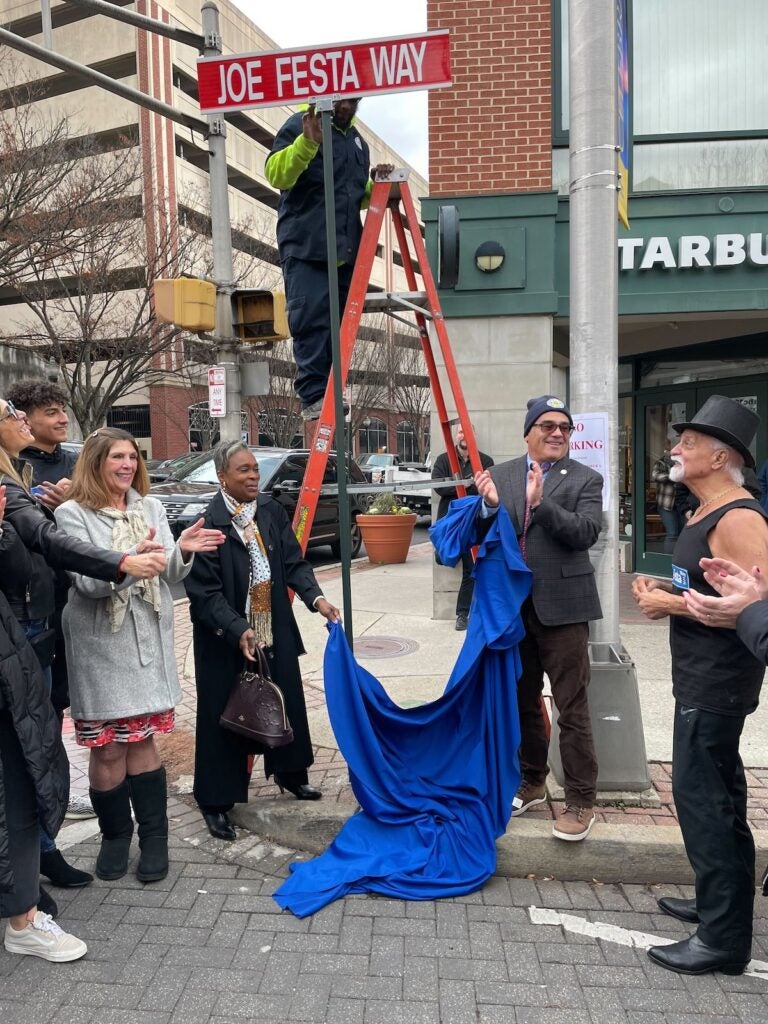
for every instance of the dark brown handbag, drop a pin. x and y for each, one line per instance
(256, 707)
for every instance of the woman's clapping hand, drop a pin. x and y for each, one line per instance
(149, 543)
(197, 538)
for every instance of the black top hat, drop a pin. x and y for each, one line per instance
(728, 421)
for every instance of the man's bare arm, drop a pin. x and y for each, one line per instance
(741, 536)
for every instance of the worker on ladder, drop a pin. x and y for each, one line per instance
(295, 166)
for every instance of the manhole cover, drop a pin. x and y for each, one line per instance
(384, 647)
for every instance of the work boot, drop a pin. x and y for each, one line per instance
(574, 823)
(113, 809)
(149, 796)
(55, 868)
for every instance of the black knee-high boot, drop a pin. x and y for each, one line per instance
(149, 796)
(113, 809)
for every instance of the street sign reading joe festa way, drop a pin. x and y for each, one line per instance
(343, 69)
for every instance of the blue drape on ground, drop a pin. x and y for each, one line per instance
(435, 783)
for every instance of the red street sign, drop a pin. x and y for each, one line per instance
(365, 68)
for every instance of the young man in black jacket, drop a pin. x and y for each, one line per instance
(45, 406)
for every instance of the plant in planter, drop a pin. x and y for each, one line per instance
(387, 528)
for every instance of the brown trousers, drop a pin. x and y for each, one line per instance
(561, 652)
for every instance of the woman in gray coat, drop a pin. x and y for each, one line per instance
(119, 637)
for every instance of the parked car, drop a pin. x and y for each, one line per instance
(387, 468)
(160, 470)
(282, 472)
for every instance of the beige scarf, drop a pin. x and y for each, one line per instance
(130, 528)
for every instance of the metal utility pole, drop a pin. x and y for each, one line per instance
(594, 351)
(221, 233)
(325, 109)
(594, 292)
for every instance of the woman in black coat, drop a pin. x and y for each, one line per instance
(34, 782)
(30, 588)
(239, 597)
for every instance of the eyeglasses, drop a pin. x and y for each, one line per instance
(549, 427)
(11, 412)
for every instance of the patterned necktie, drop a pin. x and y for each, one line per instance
(545, 468)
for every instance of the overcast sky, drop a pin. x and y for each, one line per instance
(400, 119)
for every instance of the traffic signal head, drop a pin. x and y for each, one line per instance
(186, 302)
(259, 316)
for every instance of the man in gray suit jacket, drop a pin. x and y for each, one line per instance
(556, 507)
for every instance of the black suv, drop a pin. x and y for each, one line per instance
(282, 472)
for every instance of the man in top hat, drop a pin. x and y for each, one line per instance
(556, 507)
(716, 683)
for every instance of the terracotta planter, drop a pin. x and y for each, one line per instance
(387, 538)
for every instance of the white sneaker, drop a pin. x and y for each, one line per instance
(42, 937)
(80, 807)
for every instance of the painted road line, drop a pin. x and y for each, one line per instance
(621, 936)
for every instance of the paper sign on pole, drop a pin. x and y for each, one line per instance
(217, 391)
(277, 77)
(589, 446)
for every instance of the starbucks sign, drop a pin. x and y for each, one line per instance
(693, 252)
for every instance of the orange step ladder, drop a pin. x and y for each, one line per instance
(392, 195)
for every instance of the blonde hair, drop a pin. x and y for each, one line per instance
(23, 478)
(88, 487)
(7, 468)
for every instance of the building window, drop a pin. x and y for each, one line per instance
(372, 435)
(699, 102)
(133, 418)
(406, 442)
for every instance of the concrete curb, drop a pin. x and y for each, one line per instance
(613, 853)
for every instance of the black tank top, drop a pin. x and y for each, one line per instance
(711, 668)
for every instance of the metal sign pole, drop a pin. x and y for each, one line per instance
(325, 108)
(613, 693)
(221, 239)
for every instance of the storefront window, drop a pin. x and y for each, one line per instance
(661, 520)
(625, 467)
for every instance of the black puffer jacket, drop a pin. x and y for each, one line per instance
(33, 597)
(25, 701)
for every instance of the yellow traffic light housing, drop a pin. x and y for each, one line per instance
(186, 302)
(259, 316)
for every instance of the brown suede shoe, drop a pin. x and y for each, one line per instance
(528, 795)
(574, 823)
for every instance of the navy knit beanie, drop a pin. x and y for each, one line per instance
(538, 406)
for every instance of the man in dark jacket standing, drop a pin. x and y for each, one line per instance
(556, 507)
(295, 166)
(440, 470)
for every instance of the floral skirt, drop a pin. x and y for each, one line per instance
(123, 730)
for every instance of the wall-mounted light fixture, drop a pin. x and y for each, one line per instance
(489, 257)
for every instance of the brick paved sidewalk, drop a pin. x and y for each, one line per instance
(208, 945)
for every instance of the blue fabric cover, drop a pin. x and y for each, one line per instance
(435, 783)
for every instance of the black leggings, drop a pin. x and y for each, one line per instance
(21, 823)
